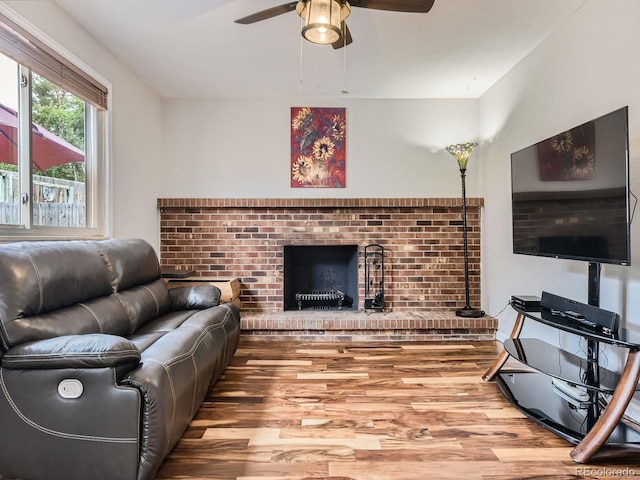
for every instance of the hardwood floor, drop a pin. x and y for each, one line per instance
(397, 411)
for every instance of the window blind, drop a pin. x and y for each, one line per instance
(27, 50)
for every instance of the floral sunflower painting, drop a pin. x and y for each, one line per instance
(569, 155)
(318, 153)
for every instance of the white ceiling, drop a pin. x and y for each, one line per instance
(193, 48)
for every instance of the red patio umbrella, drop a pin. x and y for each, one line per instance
(48, 150)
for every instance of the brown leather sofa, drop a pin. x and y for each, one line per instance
(101, 366)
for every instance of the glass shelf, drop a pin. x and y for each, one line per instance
(533, 394)
(558, 363)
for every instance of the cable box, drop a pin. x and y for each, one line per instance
(526, 303)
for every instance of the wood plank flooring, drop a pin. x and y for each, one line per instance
(368, 411)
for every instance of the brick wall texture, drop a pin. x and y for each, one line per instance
(245, 238)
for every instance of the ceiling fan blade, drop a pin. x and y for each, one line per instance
(346, 40)
(409, 6)
(268, 13)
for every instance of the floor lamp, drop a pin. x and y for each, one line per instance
(461, 152)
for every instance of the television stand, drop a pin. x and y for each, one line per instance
(574, 397)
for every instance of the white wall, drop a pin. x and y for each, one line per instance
(136, 115)
(240, 148)
(587, 68)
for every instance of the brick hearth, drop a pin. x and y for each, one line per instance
(332, 326)
(424, 262)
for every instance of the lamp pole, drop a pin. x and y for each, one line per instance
(462, 152)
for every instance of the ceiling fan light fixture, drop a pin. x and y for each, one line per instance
(323, 20)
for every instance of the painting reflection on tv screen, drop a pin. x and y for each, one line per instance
(569, 155)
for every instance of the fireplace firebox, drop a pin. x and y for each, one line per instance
(321, 277)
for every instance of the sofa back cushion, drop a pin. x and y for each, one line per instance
(136, 278)
(100, 315)
(54, 288)
(41, 277)
(145, 302)
(130, 262)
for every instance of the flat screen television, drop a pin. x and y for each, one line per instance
(570, 193)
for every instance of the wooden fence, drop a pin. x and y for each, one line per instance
(56, 202)
(47, 214)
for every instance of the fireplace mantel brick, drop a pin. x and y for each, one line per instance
(245, 237)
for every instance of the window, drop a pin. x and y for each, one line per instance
(53, 137)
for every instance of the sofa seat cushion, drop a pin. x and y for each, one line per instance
(155, 329)
(165, 323)
(145, 340)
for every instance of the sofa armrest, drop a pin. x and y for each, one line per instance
(196, 297)
(73, 351)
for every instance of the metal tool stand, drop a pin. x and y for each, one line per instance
(374, 277)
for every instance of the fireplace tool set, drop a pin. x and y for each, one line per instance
(374, 277)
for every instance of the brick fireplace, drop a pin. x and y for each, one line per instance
(246, 238)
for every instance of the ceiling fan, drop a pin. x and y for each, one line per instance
(324, 20)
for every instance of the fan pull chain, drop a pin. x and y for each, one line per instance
(301, 86)
(345, 91)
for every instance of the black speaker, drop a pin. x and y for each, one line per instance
(562, 305)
